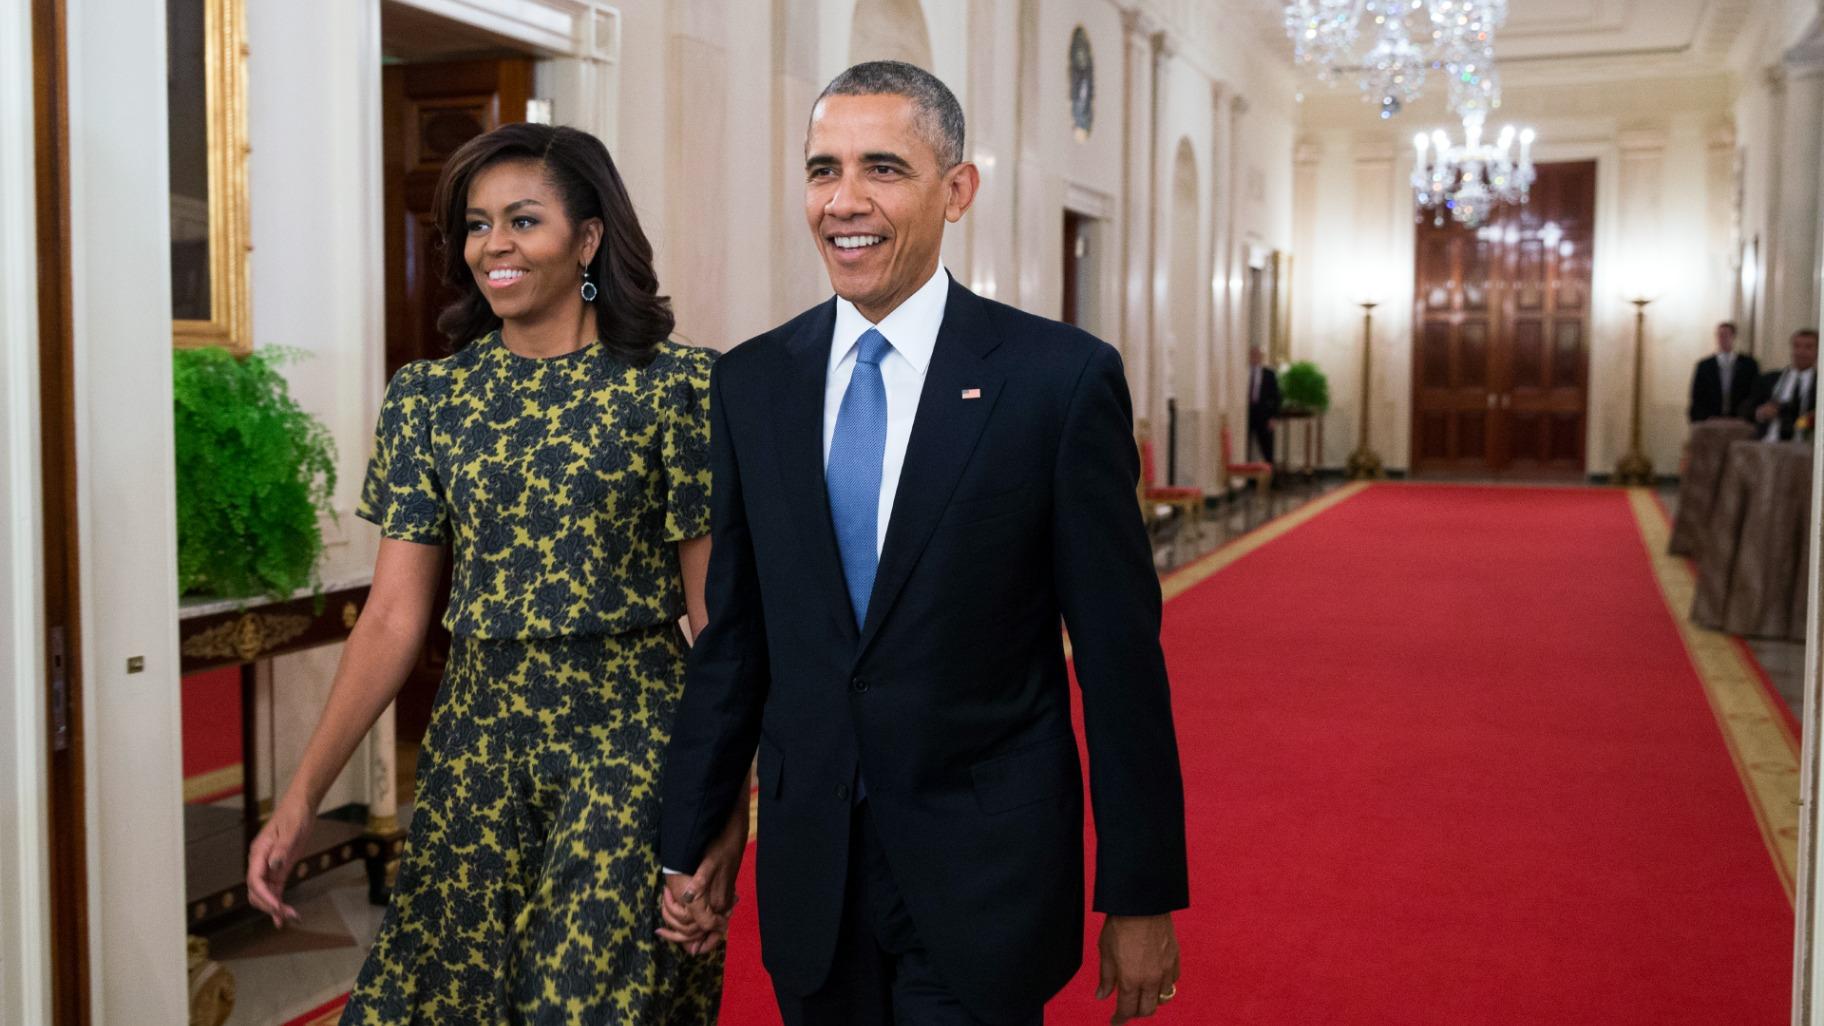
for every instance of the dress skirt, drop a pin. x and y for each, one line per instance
(529, 887)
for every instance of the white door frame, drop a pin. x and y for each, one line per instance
(25, 956)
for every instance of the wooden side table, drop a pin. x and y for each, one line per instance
(240, 632)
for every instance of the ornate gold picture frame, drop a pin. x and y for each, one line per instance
(207, 77)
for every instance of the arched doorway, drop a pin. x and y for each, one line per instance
(890, 30)
(1183, 415)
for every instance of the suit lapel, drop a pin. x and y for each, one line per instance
(799, 437)
(944, 434)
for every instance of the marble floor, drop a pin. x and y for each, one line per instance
(1784, 661)
(282, 974)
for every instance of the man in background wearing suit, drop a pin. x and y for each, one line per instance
(1263, 402)
(913, 486)
(1723, 382)
(1783, 396)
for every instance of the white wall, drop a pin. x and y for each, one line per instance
(127, 528)
(313, 95)
(24, 883)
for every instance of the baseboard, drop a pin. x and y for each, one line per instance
(1606, 478)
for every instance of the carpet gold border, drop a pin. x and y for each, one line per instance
(212, 783)
(1202, 569)
(1759, 739)
(1192, 574)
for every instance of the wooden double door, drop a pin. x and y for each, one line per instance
(1501, 325)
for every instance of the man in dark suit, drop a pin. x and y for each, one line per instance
(1782, 397)
(1721, 383)
(1263, 402)
(913, 486)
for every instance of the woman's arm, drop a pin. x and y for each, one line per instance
(693, 561)
(379, 655)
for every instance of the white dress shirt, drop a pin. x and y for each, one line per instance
(1725, 372)
(1792, 384)
(911, 331)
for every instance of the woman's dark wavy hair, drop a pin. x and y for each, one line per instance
(630, 315)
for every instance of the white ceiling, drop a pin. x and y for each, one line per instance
(1547, 41)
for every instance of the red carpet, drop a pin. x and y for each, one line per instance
(1447, 762)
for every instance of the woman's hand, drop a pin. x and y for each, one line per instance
(271, 857)
(696, 908)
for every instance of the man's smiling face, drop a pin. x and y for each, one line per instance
(876, 198)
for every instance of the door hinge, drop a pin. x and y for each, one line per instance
(60, 692)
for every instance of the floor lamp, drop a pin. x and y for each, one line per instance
(1364, 462)
(1635, 468)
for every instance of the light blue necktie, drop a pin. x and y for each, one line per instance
(853, 476)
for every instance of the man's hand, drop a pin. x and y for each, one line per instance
(1766, 412)
(1139, 964)
(696, 908)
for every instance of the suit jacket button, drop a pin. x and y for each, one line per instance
(842, 792)
(858, 685)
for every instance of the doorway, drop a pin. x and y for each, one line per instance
(1501, 324)
(441, 86)
(1082, 272)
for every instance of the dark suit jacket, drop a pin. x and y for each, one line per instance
(1707, 398)
(1015, 511)
(1764, 391)
(1261, 410)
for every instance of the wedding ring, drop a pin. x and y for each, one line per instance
(1170, 993)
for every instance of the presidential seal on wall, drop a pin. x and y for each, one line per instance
(1082, 84)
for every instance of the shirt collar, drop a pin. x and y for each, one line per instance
(911, 328)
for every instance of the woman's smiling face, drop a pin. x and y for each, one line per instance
(526, 256)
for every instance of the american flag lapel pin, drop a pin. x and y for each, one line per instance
(972, 393)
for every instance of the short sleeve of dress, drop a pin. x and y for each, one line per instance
(402, 492)
(685, 441)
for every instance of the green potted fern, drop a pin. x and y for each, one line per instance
(1304, 389)
(255, 472)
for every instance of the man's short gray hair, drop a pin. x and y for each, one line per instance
(941, 115)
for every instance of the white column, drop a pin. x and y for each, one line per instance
(382, 775)
(1221, 344)
(1162, 179)
(1137, 220)
(1723, 224)
(1793, 288)
(126, 494)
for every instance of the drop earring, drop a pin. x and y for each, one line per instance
(589, 289)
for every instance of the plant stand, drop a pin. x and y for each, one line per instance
(1311, 424)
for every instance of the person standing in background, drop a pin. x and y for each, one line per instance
(1722, 383)
(1263, 402)
(1782, 397)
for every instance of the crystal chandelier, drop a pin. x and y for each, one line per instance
(1469, 180)
(1390, 46)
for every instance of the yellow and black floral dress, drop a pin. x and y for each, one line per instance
(529, 888)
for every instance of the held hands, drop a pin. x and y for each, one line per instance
(270, 859)
(1766, 412)
(696, 908)
(1139, 965)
